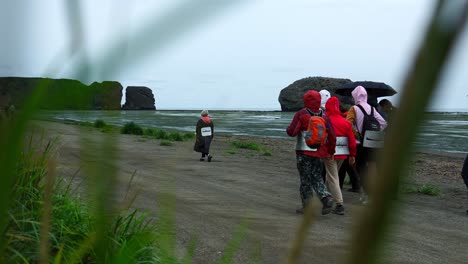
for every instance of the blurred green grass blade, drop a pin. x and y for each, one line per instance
(442, 34)
(234, 244)
(302, 232)
(99, 154)
(10, 145)
(190, 250)
(166, 221)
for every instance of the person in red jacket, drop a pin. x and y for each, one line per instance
(345, 146)
(309, 161)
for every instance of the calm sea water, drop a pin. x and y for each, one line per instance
(440, 132)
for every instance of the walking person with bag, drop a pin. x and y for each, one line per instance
(204, 136)
(345, 146)
(312, 131)
(368, 124)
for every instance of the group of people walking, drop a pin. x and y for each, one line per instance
(344, 142)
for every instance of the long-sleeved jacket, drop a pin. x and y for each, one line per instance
(300, 122)
(342, 127)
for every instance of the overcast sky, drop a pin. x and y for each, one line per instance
(233, 57)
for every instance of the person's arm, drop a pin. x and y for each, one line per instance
(351, 117)
(331, 137)
(198, 129)
(351, 145)
(212, 129)
(295, 127)
(382, 122)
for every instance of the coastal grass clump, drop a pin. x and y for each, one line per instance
(246, 145)
(175, 136)
(99, 123)
(165, 143)
(132, 129)
(71, 224)
(252, 146)
(426, 189)
(165, 135)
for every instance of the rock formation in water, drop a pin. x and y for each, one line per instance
(139, 98)
(63, 94)
(290, 97)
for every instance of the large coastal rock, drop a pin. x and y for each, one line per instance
(139, 98)
(290, 97)
(63, 94)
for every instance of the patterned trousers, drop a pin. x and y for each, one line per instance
(310, 171)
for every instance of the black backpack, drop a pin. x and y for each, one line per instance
(369, 122)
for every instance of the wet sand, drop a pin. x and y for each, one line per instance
(212, 199)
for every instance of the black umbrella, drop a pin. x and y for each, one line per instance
(375, 89)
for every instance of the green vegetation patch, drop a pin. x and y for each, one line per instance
(231, 151)
(246, 145)
(72, 222)
(426, 188)
(99, 123)
(132, 129)
(165, 143)
(251, 146)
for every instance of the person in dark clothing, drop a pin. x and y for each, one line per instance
(204, 136)
(464, 173)
(385, 109)
(308, 160)
(347, 168)
(353, 177)
(365, 159)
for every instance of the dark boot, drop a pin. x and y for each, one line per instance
(327, 205)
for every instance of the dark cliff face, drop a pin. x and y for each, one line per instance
(290, 97)
(139, 98)
(63, 94)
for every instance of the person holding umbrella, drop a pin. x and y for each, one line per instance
(365, 158)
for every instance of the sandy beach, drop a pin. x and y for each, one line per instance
(212, 199)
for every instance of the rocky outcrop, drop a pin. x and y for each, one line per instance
(63, 94)
(290, 97)
(139, 98)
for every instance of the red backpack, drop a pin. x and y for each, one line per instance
(316, 133)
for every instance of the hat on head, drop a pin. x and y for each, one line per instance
(204, 113)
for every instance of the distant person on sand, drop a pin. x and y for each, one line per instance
(205, 133)
(365, 158)
(464, 173)
(345, 146)
(309, 160)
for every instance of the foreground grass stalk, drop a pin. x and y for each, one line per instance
(447, 23)
(12, 133)
(99, 160)
(44, 245)
(302, 232)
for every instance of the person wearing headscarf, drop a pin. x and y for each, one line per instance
(324, 96)
(365, 158)
(308, 160)
(204, 136)
(345, 146)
